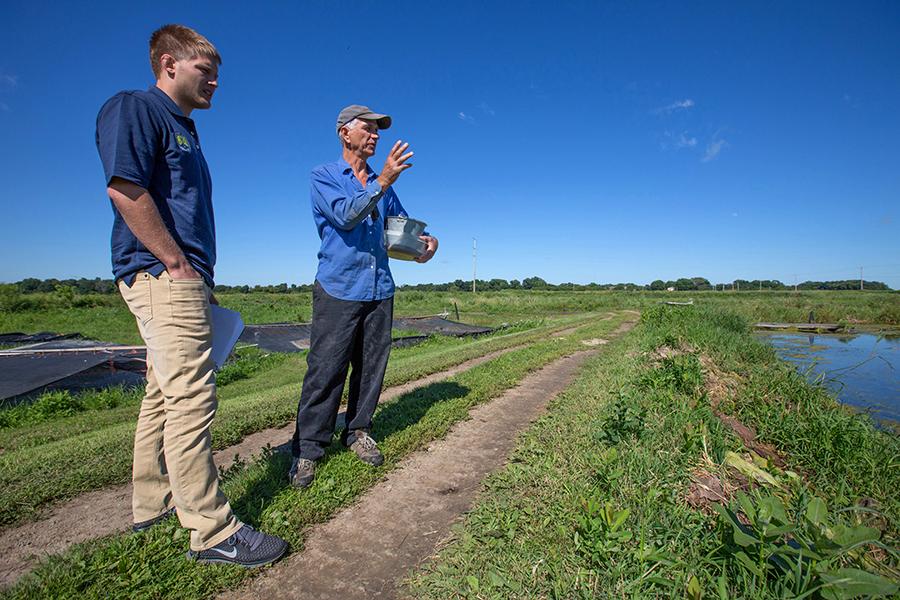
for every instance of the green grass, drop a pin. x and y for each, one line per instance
(105, 317)
(592, 504)
(152, 565)
(59, 458)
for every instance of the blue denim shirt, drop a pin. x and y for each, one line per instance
(143, 137)
(353, 260)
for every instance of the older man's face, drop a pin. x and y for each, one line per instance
(363, 139)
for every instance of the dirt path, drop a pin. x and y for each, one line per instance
(365, 549)
(103, 512)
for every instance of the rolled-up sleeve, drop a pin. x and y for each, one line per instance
(342, 210)
(127, 139)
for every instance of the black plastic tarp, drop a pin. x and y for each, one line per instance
(294, 337)
(67, 364)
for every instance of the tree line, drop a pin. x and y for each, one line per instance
(685, 284)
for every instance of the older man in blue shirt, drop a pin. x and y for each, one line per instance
(353, 298)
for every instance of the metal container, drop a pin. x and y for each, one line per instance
(401, 237)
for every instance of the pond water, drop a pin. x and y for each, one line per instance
(862, 370)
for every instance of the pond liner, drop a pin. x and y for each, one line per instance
(294, 337)
(55, 361)
(31, 338)
(73, 364)
(440, 325)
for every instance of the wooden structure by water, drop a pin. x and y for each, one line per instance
(817, 327)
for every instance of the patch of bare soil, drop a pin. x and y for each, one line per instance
(707, 489)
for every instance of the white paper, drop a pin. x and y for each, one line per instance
(227, 326)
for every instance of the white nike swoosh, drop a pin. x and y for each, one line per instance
(231, 554)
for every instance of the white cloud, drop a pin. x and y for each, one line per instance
(675, 106)
(685, 141)
(466, 118)
(713, 149)
(678, 141)
(9, 81)
(486, 109)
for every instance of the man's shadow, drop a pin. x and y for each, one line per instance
(392, 417)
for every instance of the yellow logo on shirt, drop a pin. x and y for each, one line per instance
(182, 142)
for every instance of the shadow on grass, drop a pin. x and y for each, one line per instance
(407, 410)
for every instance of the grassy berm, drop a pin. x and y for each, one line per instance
(152, 564)
(633, 487)
(64, 445)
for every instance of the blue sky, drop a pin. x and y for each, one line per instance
(577, 141)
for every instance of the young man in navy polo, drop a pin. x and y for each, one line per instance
(163, 254)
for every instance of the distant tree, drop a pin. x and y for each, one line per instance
(658, 285)
(27, 286)
(534, 283)
(701, 283)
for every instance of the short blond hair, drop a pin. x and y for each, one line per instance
(182, 43)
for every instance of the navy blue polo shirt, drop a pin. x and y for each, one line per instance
(144, 138)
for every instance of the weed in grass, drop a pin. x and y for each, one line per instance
(680, 373)
(600, 532)
(801, 549)
(623, 421)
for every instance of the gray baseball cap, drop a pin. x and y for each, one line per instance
(358, 111)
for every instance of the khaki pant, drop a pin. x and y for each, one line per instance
(173, 464)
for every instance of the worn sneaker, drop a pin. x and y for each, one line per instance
(302, 472)
(145, 525)
(366, 448)
(246, 547)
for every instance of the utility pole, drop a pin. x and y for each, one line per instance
(860, 279)
(795, 282)
(474, 262)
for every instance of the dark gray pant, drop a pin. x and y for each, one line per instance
(344, 333)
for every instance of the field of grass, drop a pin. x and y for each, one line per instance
(55, 457)
(153, 564)
(593, 503)
(106, 317)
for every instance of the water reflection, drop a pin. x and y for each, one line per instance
(862, 370)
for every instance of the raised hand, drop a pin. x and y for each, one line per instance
(395, 164)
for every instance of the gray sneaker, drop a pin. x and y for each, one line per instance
(302, 472)
(145, 525)
(246, 548)
(366, 448)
